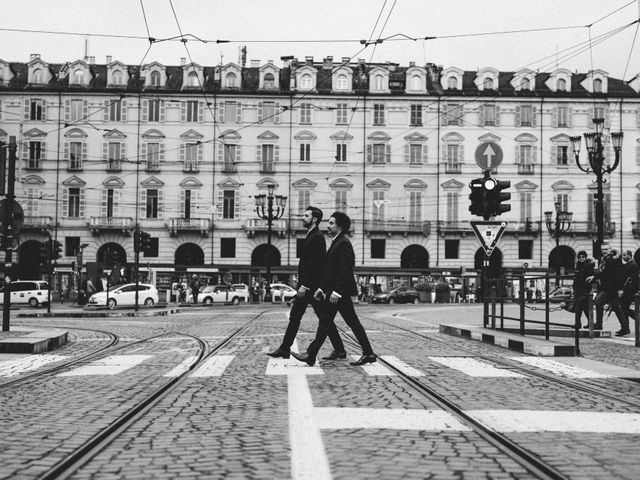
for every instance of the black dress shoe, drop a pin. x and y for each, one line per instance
(304, 357)
(364, 359)
(279, 353)
(622, 333)
(335, 356)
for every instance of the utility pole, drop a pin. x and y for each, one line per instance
(7, 229)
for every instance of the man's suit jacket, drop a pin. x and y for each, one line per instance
(340, 262)
(630, 277)
(312, 264)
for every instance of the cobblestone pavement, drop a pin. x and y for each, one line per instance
(243, 415)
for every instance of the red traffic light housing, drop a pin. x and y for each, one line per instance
(56, 249)
(142, 241)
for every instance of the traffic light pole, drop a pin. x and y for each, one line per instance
(7, 231)
(136, 248)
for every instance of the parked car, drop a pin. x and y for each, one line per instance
(31, 292)
(243, 291)
(125, 295)
(218, 294)
(397, 295)
(561, 294)
(280, 289)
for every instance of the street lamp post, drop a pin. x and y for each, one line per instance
(266, 210)
(561, 225)
(595, 150)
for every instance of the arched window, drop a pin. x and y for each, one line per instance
(561, 86)
(525, 84)
(37, 75)
(192, 79)
(452, 83)
(269, 80)
(378, 82)
(597, 85)
(78, 77)
(305, 81)
(341, 82)
(155, 78)
(487, 84)
(230, 80)
(116, 77)
(416, 82)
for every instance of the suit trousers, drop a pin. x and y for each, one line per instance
(298, 308)
(327, 326)
(610, 298)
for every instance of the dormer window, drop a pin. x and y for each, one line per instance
(116, 77)
(597, 85)
(452, 83)
(230, 80)
(416, 82)
(342, 82)
(306, 82)
(378, 82)
(155, 78)
(37, 76)
(192, 79)
(525, 84)
(561, 86)
(78, 77)
(269, 80)
(487, 84)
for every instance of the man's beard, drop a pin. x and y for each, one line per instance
(306, 224)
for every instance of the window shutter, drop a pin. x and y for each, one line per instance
(569, 117)
(123, 150)
(85, 109)
(406, 153)
(43, 150)
(517, 120)
(220, 154)
(143, 203)
(183, 194)
(444, 116)
(238, 158)
(534, 154)
(123, 108)
(84, 154)
(369, 153)
(143, 153)
(44, 109)
(387, 153)
(460, 116)
(554, 117)
(236, 203)
(117, 200)
(105, 151)
(103, 202)
(517, 155)
(554, 155)
(163, 111)
(497, 115)
(220, 112)
(65, 202)
(260, 112)
(607, 118)
(182, 152)
(161, 153)
(65, 151)
(200, 153)
(445, 153)
(276, 118)
(67, 110)
(200, 111)
(259, 155)
(160, 204)
(276, 153)
(105, 111)
(25, 150)
(461, 154)
(220, 205)
(27, 109)
(238, 112)
(481, 115)
(145, 110)
(183, 111)
(534, 115)
(424, 154)
(82, 202)
(638, 154)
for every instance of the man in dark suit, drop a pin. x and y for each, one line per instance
(629, 289)
(311, 269)
(337, 288)
(609, 275)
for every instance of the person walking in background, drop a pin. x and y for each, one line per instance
(582, 282)
(195, 288)
(336, 289)
(609, 276)
(630, 283)
(311, 270)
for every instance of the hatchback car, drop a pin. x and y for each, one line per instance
(31, 292)
(280, 289)
(125, 295)
(397, 295)
(242, 290)
(218, 294)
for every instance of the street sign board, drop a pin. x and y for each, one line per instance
(488, 233)
(488, 155)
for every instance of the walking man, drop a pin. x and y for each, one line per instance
(337, 287)
(311, 270)
(629, 289)
(609, 275)
(582, 286)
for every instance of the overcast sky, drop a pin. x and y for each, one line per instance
(272, 29)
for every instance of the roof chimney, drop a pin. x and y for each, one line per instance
(92, 60)
(328, 62)
(308, 60)
(255, 63)
(34, 56)
(109, 57)
(183, 61)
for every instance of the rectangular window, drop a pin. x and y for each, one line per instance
(187, 203)
(378, 113)
(154, 111)
(191, 157)
(74, 203)
(563, 200)
(152, 203)
(378, 205)
(110, 202)
(75, 114)
(115, 111)
(453, 158)
(378, 153)
(341, 200)
(562, 155)
(305, 114)
(598, 113)
(525, 164)
(228, 204)
(153, 157)
(268, 112)
(304, 200)
(416, 115)
(35, 154)
(71, 246)
(452, 248)
(227, 247)
(268, 159)
(526, 205)
(415, 207)
(305, 152)
(453, 114)
(192, 111)
(342, 114)
(75, 156)
(526, 116)
(452, 207)
(230, 112)
(114, 156)
(563, 116)
(525, 249)
(415, 154)
(230, 155)
(36, 109)
(341, 152)
(378, 247)
(489, 114)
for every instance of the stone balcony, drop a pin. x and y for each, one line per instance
(200, 225)
(256, 225)
(122, 224)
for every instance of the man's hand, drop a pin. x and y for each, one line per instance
(334, 297)
(302, 291)
(319, 294)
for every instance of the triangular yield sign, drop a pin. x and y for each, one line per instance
(488, 233)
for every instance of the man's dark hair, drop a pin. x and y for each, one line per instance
(342, 220)
(315, 213)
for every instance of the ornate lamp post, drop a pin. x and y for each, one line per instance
(595, 150)
(266, 210)
(561, 225)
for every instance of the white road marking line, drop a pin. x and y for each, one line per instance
(508, 421)
(600, 367)
(403, 367)
(559, 368)
(474, 368)
(109, 366)
(394, 419)
(181, 368)
(11, 368)
(213, 366)
(375, 369)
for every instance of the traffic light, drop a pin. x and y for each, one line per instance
(477, 197)
(45, 252)
(495, 196)
(114, 257)
(56, 249)
(145, 241)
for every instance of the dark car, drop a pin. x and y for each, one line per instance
(397, 295)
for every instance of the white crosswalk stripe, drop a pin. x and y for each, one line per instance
(560, 368)
(375, 369)
(213, 366)
(403, 367)
(11, 368)
(108, 366)
(474, 368)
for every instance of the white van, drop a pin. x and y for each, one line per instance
(31, 292)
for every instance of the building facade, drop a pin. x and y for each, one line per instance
(181, 152)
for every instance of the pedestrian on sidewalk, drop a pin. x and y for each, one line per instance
(337, 288)
(629, 289)
(311, 270)
(610, 281)
(582, 282)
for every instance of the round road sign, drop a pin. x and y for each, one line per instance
(488, 155)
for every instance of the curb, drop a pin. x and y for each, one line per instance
(35, 342)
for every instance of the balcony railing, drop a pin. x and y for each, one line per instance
(267, 167)
(524, 228)
(256, 225)
(190, 168)
(201, 225)
(125, 224)
(526, 168)
(404, 227)
(452, 167)
(590, 228)
(454, 228)
(229, 167)
(37, 222)
(114, 166)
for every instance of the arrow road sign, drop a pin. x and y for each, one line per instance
(488, 155)
(488, 233)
